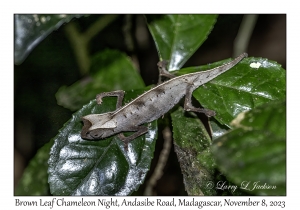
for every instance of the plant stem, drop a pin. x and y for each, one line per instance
(162, 160)
(80, 41)
(243, 37)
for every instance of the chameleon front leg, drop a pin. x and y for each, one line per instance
(118, 93)
(189, 107)
(140, 130)
(162, 67)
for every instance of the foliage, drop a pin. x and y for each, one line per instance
(247, 131)
(30, 30)
(259, 142)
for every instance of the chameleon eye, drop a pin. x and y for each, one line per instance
(95, 135)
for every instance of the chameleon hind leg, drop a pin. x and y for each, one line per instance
(189, 107)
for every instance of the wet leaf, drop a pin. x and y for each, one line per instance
(192, 146)
(177, 37)
(216, 128)
(247, 88)
(241, 88)
(102, 167)
(30, 30)
(110, 70)
(253, 154)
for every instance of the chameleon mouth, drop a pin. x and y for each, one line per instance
(85, 133)
(87, 136)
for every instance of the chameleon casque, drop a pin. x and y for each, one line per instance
(149, 106)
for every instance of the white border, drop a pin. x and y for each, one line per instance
(8, 8)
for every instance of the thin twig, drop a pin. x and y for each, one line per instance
(98, 26)
(242, 39)
(128, 38)
(79, 46)
(127, 27)
(80, 41)
(163, 157)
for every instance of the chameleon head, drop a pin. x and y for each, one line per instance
(97, 126)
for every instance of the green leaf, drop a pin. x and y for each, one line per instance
(192, 146)
(34, 179)
(254, 152)
(241, 88)
(177, 37)
(30, 30)
(216, 128)
(102, 167)
(110, 70)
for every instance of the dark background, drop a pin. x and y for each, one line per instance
(37, 117)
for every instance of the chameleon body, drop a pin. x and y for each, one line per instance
(149, 106)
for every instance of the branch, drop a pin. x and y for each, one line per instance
(98, 26)
(80, 41)
(242, 39)
(163, 157)
(79, 46)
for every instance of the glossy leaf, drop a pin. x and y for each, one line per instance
(216, 128)
(177, 37)
(110, 70)
(102, 167)
(192, 146)
(253, 154)
(241, 88)
(30, 30)
(34, 179)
